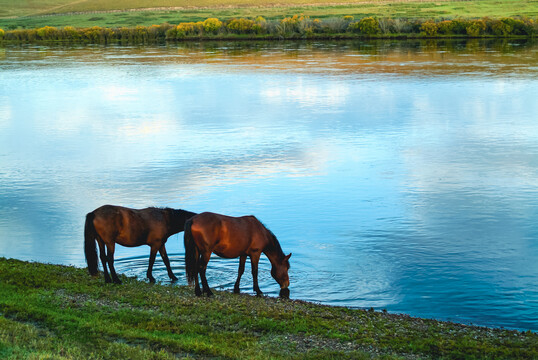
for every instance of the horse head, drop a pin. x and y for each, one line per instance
(279, 272)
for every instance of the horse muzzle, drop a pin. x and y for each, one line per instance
(284, 293)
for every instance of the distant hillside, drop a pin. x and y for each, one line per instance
(118, 13)
(9, 8)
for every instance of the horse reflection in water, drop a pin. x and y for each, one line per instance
(232, 237)
(111, 225)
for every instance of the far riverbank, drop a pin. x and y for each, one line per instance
(288, 28)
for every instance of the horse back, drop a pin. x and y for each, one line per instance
(129, 227)
(108, 220)
(229, 236)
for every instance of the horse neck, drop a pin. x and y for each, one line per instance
(273, 251)
(178, 219)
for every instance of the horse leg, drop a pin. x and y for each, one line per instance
(110, 256)
(242, 260)
(203, 267)
(103, 257)
(197, 290)
(166, 261)
(152, 254)
(254, 258)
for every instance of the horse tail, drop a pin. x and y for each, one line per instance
(90, 235)
(191, 253)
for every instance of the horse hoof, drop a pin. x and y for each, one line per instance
(209, 294)
(174, 279)
(260, 294)
(152, 280)
(285, 293)
(197, 292)
(236, 291)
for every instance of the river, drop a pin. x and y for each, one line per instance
(402, 175)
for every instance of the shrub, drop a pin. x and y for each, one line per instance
(70, 33)
(532, 26)
(367, 26)
(97, 34)
(262, 26)
(353, 27)
(141, 33)
(348, 18)
(295, 24)
(212, 25)
(500, 28)
(125, 34)
(47, 33)
(429, 28)
(445, 27)
(317, 25)
(476, 27)
(258, 28)
(2, 33)
(189, 28)
(387, 26)
(242, 26)
(401, 26)
(171, 33)
(153, 32)
(333, 25)
(459, 26)
(21, 35)
(520, 27)
(414, 26)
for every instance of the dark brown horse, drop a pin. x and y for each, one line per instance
(232, 237)
(111, 225)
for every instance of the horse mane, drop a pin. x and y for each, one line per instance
(274, 246)
(176, 217)
(160, 208)
(175, 212)
(189, 214)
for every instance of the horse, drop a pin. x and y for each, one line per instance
(111, 225)
(232, 237)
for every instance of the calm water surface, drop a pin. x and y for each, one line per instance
(401, 175)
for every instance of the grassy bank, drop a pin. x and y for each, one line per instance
(61, 312)
(130, 13)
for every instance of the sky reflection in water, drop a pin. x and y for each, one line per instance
(401, 175)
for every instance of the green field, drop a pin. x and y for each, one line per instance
(58, 312)
(32, 14)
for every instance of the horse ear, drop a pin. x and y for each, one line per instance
(287, 257)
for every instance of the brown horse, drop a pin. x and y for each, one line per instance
(111, 225)
(232, 237)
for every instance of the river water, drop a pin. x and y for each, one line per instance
(401, 175)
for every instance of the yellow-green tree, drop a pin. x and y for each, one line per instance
(212, 25)
(47, 33)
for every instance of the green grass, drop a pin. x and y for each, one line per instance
(50, 311)
(29, 14)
